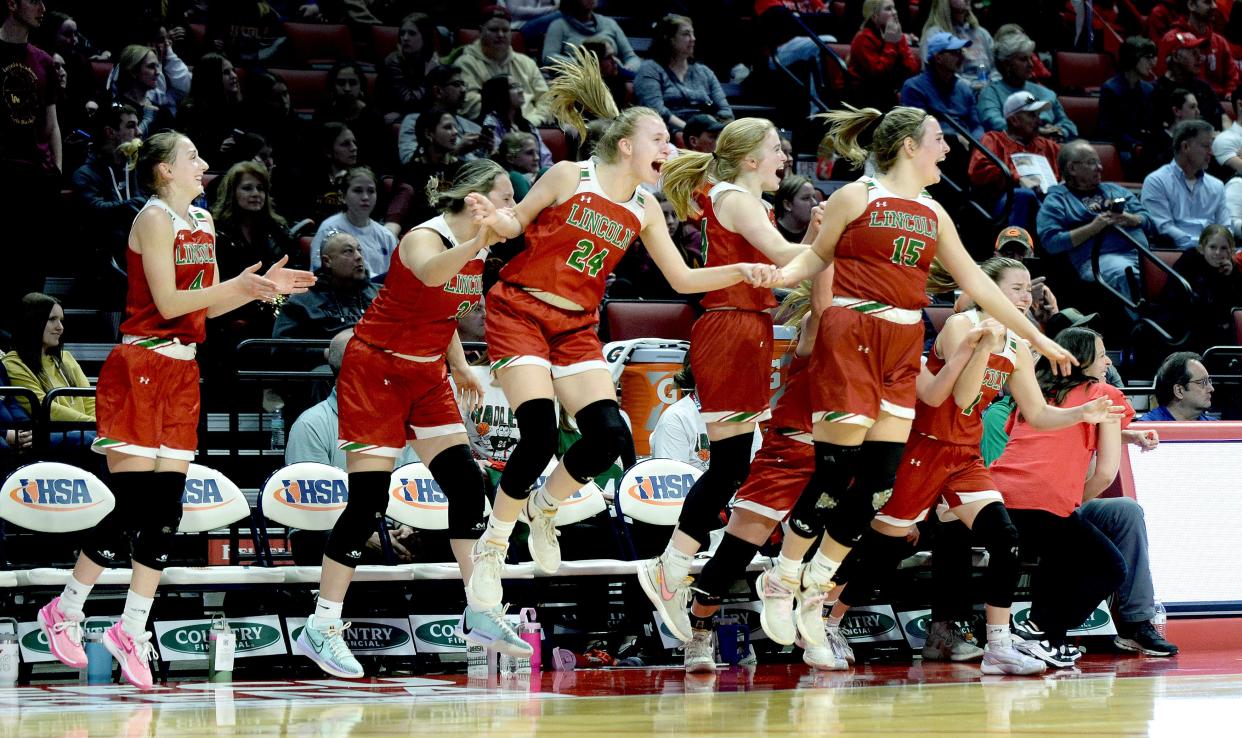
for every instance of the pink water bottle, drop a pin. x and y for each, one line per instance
(532, 632)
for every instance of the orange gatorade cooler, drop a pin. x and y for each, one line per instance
(647, 388)
(784, 339)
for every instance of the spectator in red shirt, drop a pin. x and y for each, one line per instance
(1164, 15)
(880, 56)
(1041, 476)
(1219, 71)
(1021, 137)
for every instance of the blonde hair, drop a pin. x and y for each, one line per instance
(477, 176)
(580, 86)
(225, 208)
(683, 176)
(129, 61)
(869, 8)
(939, 280)
(941, 16)
(888, 131)
(145, 156)
(796, 305)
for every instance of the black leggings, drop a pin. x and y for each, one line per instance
(1078, 567)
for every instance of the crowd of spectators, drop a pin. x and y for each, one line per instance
(335, 175)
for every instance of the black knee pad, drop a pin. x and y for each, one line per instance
(873, 561)
(604, 437)
(108, 543)
(725, 567)
(156, 520)
(873, 485)
(730, 465)
(463, 485)
(998, 534)
(536, 446)
(368, 500)
(835, 467)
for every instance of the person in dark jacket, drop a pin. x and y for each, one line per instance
(107, 191)
(1217, 285)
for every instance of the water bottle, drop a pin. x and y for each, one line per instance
(9, 656)
(981, 74)
(221, 649)
(98, 659)
(531, 631)
(1160, 618)
(278, 431)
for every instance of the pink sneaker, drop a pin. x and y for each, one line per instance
(64, 635)
(134, 655)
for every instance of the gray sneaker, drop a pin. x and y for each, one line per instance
(946, 641)
(700, 654)
(840, 646)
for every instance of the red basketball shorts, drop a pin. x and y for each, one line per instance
(864, 365)
(147, 404)
(778, 474)
(524, 330)
(731, 357)
(930, 470)
(385, 400)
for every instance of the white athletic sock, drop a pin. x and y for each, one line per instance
(498, 532)
(820, 570)
(787, 569)
(676, 564)
(327, 609)
(541, 499)
(998, 633)
(73, 599)
(137, 610)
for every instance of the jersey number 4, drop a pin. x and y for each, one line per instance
(906, 251)
(584, 259)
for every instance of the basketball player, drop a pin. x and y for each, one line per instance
(147, 397)
(394, 389)
(579, 218)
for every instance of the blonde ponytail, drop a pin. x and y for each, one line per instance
(856, 133)
(682, 177)
(579, 84)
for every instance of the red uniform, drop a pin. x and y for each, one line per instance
(786, 461)
(394, 384)
(871, 339)
(731, 344)
(1045, 470)
(571, 249)
(147, 401)
(942, 457)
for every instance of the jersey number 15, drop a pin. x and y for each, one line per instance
(906, 252)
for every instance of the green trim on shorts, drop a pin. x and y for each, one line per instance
(838, 417)
(503, 362)
(354, 447)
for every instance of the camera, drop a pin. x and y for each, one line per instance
(1117, 205)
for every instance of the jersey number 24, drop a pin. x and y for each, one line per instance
(587, 257)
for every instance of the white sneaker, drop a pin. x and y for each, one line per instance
(821, 658)
(1004, 658)
(810, 614)
(700, 654)
(484, 590)
(671, 599)
(777, 616)
(840, 646)
(545, 550)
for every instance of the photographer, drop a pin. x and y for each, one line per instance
(1082, 209)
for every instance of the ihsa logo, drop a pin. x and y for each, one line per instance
(440, 633)
(664, 489)
(203, 493)
(312, 494)
(422, 493)
(53, 495)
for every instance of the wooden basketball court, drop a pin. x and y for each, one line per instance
(1198, 693)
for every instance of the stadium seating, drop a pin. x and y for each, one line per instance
(939, 314)
(383, 42)
(308, 88)
(1154, 278)
(1080, 72)
(1085, 112)
(626, 319)
(1237, 326)
(319, 44)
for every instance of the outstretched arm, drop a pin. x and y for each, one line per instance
(692, 281)
(845, 205)
(423, 253)
(746, 215)
(971, 349)
(1042, 416)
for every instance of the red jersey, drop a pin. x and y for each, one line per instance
(792, 414)
(409, 317)
(1046, 470)
(885, 253)
(722, 247)
(571, 248)
(194, 267)
(951, 424)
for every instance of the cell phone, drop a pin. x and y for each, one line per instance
(1117, 205)
(1037, 293)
